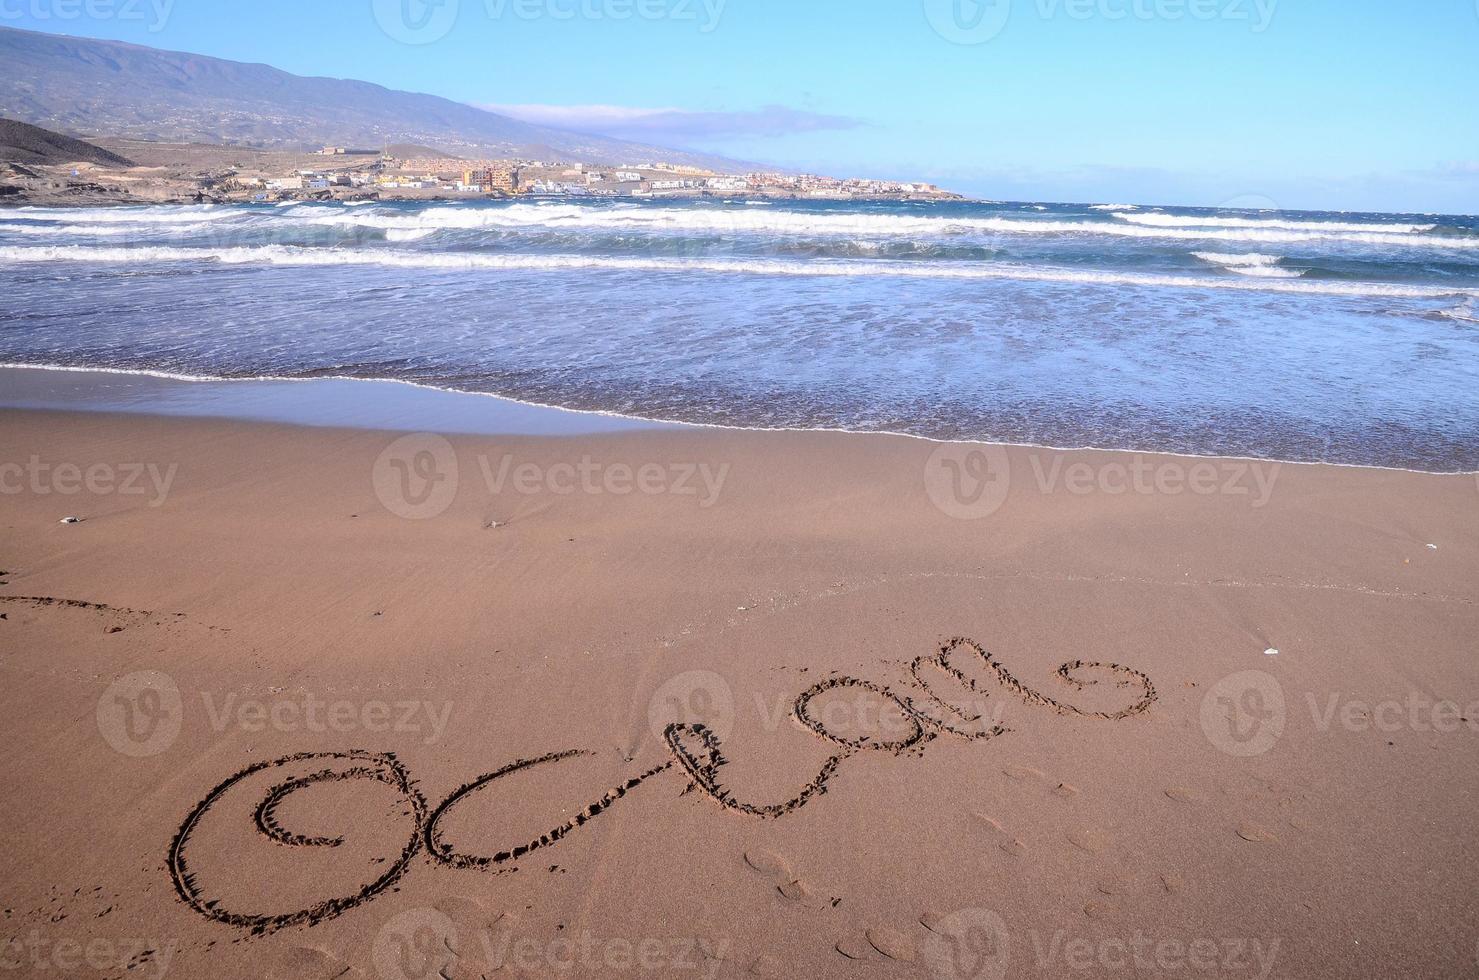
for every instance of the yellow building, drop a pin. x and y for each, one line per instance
(492, 179)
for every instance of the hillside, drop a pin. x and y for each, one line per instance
(109, 88)
(24, 143)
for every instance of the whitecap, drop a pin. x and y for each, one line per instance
(1282, 224)
(297, 255)
(1251, 264)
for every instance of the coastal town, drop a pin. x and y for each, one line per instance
(358, 174)
(43, 167)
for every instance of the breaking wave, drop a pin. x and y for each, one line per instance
(1214, 221)
(800, 223)
(1250, 264)
(737, 222)
(295, 255)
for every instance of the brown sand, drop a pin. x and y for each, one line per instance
(1148, 810)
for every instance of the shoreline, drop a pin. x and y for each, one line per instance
(459, 411)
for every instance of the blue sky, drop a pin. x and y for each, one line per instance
(1356, 104)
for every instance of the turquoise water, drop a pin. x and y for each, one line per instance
(1309, 336)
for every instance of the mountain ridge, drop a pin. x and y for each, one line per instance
(102, 88)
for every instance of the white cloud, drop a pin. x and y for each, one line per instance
(673, 125)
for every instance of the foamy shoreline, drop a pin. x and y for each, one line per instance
(341, 402)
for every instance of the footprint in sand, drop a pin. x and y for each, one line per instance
(312, 963)
(1004, 840)
(1089, 841)
(802, 894)
(1117, 883)
(768, 966)
(769, 863)
(1036, 777)
(891, 943)
(788, 884)
(1255, 834)
(856, 948)
(1024, 774)
(471, 918)
(1182, 794)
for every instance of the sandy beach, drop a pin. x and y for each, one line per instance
(334, 702)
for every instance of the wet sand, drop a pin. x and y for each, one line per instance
(322, 702)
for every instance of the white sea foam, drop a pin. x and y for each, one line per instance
(145, 215)
(1247, 258)
(1214, 221)
(1465, 313)
(408, 234)
(1251, 264)
(668, 221)
(91, 231)
(1114, 207)
(803, 223)
(295, 255)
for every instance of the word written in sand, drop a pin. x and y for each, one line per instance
(694, 751)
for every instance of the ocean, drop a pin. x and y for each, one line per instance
(1309, 336)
